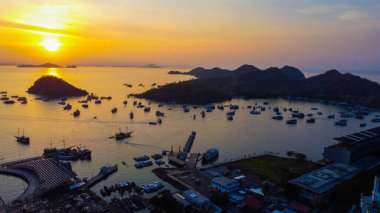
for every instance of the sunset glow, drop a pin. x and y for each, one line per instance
(51, 44)
(318, 34)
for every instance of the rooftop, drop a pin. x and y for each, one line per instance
(195, 197)
(324, 179)
(42, 174)
(355, 138)
(225, 180)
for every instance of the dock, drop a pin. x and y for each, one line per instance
(189, 163)
(103, 174)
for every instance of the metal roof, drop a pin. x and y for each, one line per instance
(358, 137)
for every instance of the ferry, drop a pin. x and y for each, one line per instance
(210, 156)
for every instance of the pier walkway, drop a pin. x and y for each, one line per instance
(101, 176)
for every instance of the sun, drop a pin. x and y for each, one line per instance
(51, 43)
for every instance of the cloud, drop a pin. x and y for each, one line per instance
(316, 10)
(354, 16)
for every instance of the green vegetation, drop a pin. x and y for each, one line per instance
(278, 169)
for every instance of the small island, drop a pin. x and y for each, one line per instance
(46, 65)
(53, 87)
(175, 72)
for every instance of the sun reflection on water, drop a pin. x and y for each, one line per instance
(53, 72)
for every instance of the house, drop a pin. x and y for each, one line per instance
(197, 199)
(225, 185)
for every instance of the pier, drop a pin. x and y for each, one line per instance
(103, 174)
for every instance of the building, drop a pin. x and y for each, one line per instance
(316, 185)
(371, 204)
(353, 147)
(197, 199)
(225, 185)
(180, 198)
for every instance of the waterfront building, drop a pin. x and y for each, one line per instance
(353, 147)
(225, 185)
(316, 185)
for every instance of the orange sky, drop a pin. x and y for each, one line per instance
(308, 34)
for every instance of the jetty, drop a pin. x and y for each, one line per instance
(105, 171)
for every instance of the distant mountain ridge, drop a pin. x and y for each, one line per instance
(217, 72)
(47, 65)
(247, 81)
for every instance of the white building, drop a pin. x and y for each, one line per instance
(225, 185)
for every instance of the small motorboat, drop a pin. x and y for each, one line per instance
(291, 121)
(114, 110)
(67, 107)
(310, 120)
(131, 115)
(278, 117)
(341, 123)
(76, 113)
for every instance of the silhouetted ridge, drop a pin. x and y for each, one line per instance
(293, 72)
(249, 82)
(53, 87)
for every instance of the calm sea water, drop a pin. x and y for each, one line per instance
(47, 123)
